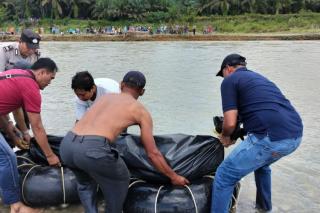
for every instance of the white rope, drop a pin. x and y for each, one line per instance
(235, 199)
(230, 204)
(26, 164)
(233, 196)
(134, 182)
(209, 176)
(156, 200)
(25, 158)
(194, 201)
(133, 178)
(24, 180)
(63, 187)
(97, 189)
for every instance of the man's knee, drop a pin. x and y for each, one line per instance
(225, 177)
(263, 170)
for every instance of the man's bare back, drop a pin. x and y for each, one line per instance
(113, 113)
(110, 115)
(84, 146)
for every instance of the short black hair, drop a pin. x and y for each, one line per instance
(45, 63)
(82, 80)
(134, 79)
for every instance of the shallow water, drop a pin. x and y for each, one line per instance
(182, 94)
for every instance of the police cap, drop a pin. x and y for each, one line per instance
(31, 38)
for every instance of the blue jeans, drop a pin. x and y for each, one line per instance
(9, 177)
(252, 154)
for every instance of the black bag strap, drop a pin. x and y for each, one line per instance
(8, 76)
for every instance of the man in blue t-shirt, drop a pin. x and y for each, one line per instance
(274, 130)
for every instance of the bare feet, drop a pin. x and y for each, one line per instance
(21, 208)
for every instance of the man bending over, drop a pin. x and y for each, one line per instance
(89, 152)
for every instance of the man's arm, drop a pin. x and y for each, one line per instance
(3, 122)
(228, 126)
(153, 152)
(3, 59)
(12, 132)
(41, 138)
(80, 109)
(8, 127)
(19, 118)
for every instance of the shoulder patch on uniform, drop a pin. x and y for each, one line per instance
(8, 48)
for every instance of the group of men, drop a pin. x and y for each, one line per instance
(105, 108)
(20, 91)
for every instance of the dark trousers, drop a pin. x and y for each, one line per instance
(94, 161)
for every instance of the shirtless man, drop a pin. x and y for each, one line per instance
(89, 152)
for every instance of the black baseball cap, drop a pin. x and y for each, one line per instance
(134, 79)
(232, 60)
(31, 38)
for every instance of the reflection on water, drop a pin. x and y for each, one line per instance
(182, 93)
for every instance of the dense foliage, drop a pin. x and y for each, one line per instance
(147, 10)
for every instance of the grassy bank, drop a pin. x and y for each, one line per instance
(289, 23)
(190, 37)
(242, 27)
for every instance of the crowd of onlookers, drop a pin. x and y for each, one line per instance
(123, 30)
(114, 30)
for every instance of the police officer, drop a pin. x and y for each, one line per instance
(26, 49)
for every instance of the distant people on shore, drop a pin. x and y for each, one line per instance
(174, 29)
(208, 30)
(139, 29)
(54, 30)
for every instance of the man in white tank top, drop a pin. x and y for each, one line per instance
(89, 90)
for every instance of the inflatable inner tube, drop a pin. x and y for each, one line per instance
(156, 198)
(42, 185)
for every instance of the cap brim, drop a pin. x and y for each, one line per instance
(219, 73)
(32, 46)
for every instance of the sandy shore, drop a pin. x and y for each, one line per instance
(190, 37)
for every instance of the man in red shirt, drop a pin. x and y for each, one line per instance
(21, 88)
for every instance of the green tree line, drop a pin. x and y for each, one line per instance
(147, 10)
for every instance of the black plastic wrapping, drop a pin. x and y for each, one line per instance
(36, 152)
(189, 156)
(150, 198)
(43, 185)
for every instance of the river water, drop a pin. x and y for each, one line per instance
(182, 94)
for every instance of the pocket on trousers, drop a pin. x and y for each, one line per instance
(115, 152)
(284, 148)
(96, 153)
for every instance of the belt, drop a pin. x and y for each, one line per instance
(83, 137)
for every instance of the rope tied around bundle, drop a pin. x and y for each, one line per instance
(29, 163)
